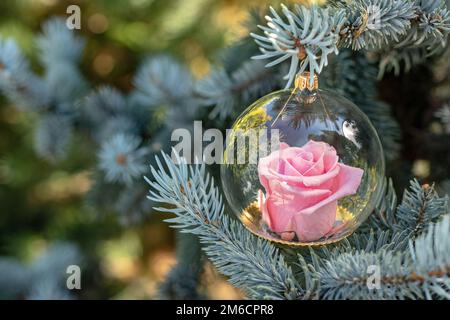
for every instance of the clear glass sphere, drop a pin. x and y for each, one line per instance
(302, 167)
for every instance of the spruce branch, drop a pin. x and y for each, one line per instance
(122, 158)
(248, 82)
(161, 80)
(217, 89)
(346, 275)
(250, 263)
(394, 27)
(331, 273)
(60, 51)
(17, 81)
(14, 278)
(372, 24)
(430, 26)
(52, 136)
(421, 273)
(338, 273)
(420, 206)
(384, 216)
(306, 37)
(45, 278)
(391, 226)
(58, 43)
(432, 266)
(396, 60)
(54, 94)
(104, 102)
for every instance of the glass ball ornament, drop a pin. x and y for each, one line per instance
(302, 166)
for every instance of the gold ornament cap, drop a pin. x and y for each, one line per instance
(303, 81)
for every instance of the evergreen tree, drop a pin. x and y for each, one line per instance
(356, 47)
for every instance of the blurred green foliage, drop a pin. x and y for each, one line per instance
(41, 202)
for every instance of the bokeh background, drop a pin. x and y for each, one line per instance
(42, 202)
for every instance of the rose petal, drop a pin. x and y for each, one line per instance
(346, 183)
(316, 169)
(283, 145)
(285, 201)
(301, 161)
(302, 188)
(298, 198)
(330, 159)
(297, 157)
(308, 156)
(263, 207)
(320, 180)
(325, 157)
(289, 169)
(279, 217)
(313, 227)
(267, 173)
(317, 148)
(275, 166)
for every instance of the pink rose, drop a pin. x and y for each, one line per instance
(302, 188)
